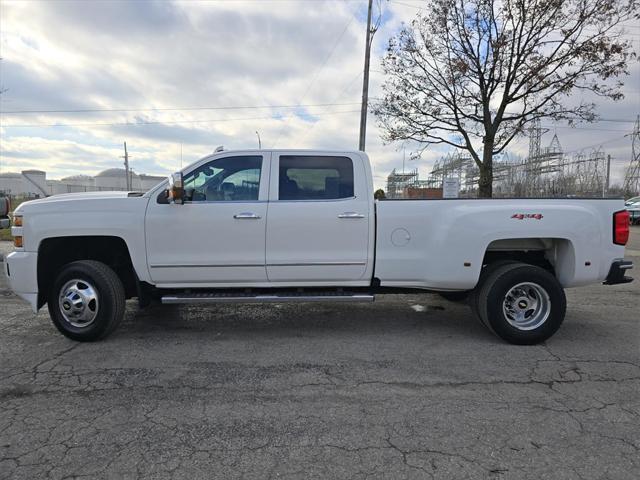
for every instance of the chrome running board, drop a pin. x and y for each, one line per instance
(266, 298)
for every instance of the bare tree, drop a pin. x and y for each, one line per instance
(473, 73)
(379, 194)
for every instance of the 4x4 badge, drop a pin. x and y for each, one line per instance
(522, 216)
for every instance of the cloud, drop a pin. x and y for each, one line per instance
(163, 132)
(69, 55)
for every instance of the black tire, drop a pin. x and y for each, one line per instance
(474, 299)
(539, 298)
(108, 300)
(460, 296)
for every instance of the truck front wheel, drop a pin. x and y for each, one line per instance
(522, 304)
(87, 301)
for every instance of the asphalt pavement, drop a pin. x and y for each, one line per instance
(407, 387)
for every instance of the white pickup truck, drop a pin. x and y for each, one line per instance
(303, 226)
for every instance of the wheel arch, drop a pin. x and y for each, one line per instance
(554, 254)
(113, 251)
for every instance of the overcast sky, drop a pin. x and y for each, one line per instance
(163, 69)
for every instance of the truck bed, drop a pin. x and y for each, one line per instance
(441, 244)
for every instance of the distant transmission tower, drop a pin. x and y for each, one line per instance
(534, 161)
(632, 178)
(535, 135)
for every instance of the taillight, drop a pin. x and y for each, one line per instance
(621, 227)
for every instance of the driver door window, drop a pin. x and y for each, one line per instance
(226, 179)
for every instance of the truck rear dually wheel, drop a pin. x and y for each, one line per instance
(474, 298)
(87, 301)
(522, 304)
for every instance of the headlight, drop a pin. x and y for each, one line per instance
(17, 220)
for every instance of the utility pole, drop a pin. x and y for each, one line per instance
(404, 156)
(632, 178)
(126, 167)
(365, 81)
(605, 190)
(259, 141)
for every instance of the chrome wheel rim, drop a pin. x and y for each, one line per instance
(526, 306)
(78, 303)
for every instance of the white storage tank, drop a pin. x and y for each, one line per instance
(77, 183)
(35, 183)
(11, 183)
(147, 182)
(115, 179)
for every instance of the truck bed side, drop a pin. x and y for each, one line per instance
(442, 244)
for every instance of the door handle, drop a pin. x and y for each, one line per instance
(350, 215)
(246, 216)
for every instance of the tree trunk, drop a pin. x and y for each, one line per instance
(485, 185)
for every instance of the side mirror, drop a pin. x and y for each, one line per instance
(175, 192)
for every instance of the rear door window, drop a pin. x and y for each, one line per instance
(315, 178)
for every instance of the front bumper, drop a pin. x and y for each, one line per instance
(617, 272)
(21, 269)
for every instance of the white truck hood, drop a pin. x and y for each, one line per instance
(76, 197)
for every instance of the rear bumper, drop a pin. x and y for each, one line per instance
(617, 272)
(21, 269)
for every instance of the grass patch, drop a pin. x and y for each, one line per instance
(5, 234)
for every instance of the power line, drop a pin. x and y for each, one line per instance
(135, 124)
(417, 7)
(611, 140)
(160, 122)
(174, 109)
(201, 1)
(342, 93)
(614, 120)
(585, 128)
(333, 49)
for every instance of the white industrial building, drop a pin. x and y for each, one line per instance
(34, 183)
